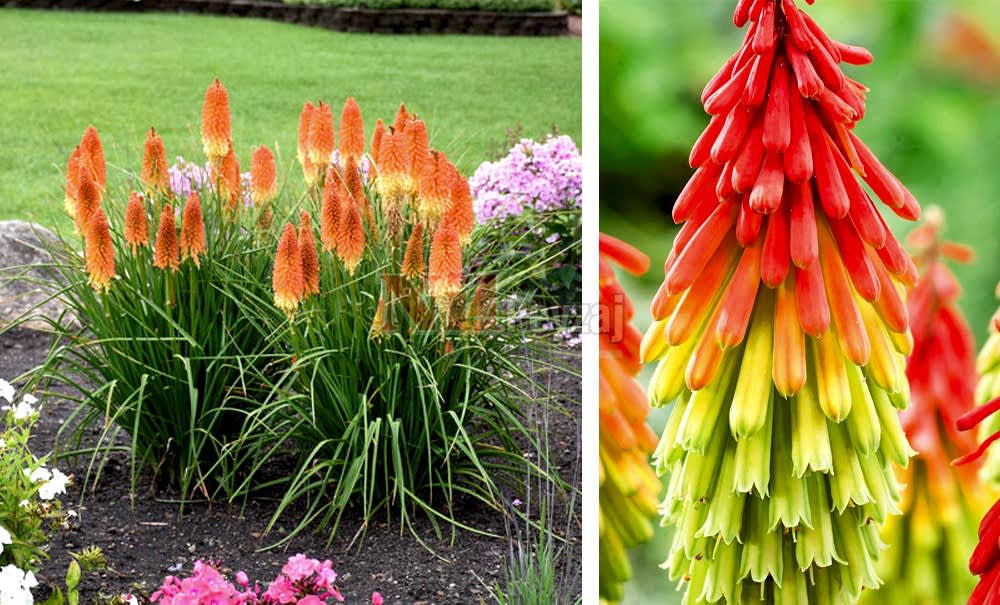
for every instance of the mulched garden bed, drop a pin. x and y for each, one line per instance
(359, 20)
(146, 539)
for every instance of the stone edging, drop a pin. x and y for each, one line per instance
(389, 21)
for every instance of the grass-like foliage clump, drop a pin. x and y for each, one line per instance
(363, 327)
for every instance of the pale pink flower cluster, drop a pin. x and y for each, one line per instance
(303, 581)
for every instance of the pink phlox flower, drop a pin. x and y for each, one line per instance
(377, 598)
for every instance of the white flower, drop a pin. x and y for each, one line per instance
(6, 391)
(130, 599)
(54, 486)
(24, 410)
(5, 537)
(16, 585)
(38, 475)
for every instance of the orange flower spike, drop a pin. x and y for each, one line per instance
(88, 200)
(329, 218)
(136, 225)
(216, 130)
(352, 130)
(435, 185)
(305, 125)
(229, 180)
(310, 260)
(352, 182)
(445, 263)
(461, 214)
(419, 148)
(100, 252)
(193, 230)
(155, 170)
(321, 137)
(286, 279)
(378, 322)
(72, 181)
(351, 238)
(167, 253)
(263, 176)
(377, 136)
(413, 257)
(403, 117)
(92, 156)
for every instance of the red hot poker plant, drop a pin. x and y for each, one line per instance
(780, 329)
(930, 542)
(629, 486)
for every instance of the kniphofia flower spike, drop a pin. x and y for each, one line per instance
(216, 131)
(780, 330)
(629, 487)
(929, 544)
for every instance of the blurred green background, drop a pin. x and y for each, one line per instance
(933, 118)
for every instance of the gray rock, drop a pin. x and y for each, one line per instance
(25, 281)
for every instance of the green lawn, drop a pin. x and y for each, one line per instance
(125, 73)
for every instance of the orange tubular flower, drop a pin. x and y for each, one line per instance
(321, 138)
(155, 170)
(352, 131)
(403, 117)
(461, 213)
(940, 498)
(435, 185)
(88, 200)
(228, 178)
(780, 330)
(351, 176)
(305, 125)
(445, 264)
(92, 156)
(166, 254)
(378, 322)
(351, 238)
(72, 181)
(99, 253)
(136, 225)
(413, 256)
(193, 230)
(263, 176)
(329, 218)
(393, 162)
(216, 131)
(377, 136)
(310, 260)
(286, 278)
(419, 148)
(629, 487)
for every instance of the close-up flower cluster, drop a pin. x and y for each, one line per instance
(780, 330)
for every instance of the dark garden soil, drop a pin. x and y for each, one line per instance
(145, 539)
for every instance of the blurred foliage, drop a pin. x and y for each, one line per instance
(933, 118)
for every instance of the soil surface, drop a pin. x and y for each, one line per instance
(145, 538)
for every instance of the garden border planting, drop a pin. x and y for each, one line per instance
(356, 20)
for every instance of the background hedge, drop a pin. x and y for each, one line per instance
(483, 5)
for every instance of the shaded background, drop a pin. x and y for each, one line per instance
(933, 118)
